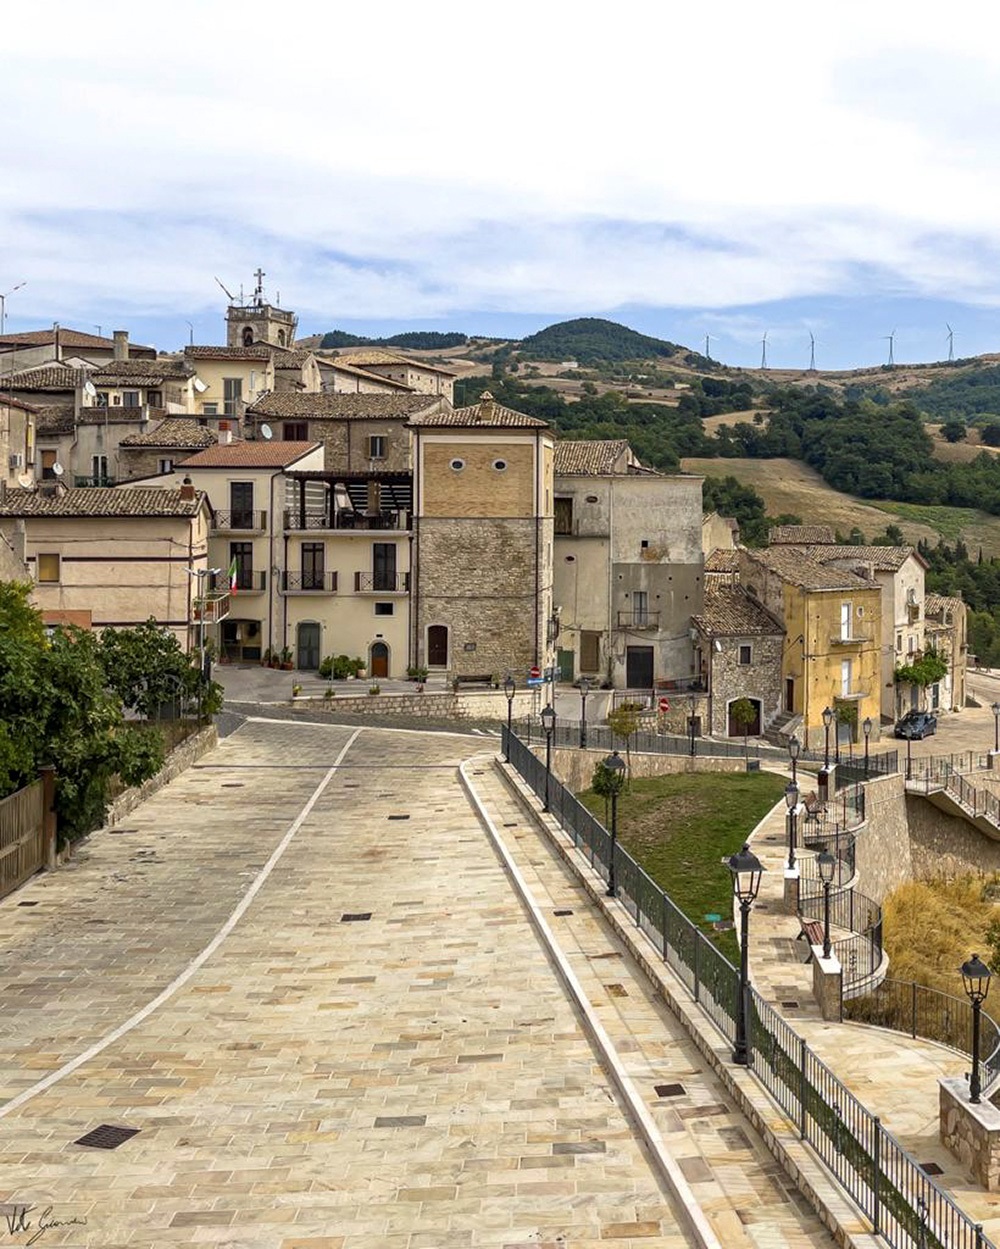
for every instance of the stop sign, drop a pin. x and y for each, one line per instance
(535, 673)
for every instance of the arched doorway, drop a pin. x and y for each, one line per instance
(437, 646)
(378, 660)
(281, 338)
(307, 646)
(736, 728)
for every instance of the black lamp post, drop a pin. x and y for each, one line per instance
(791, 801)
(996, 726)
(548, 718)
(866, 728)
(909, 757)
(794, 746)
(692, 720)
(746, 869)
(827, 865)
(614, 765)
(584, 691)
(976, 980)
(509, 686)
(827, 721)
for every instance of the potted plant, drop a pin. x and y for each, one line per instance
(286, 658)
(265, 659)
(328, 692)
(296, 690)
(375, 688)
(420, 687)
(275, 660)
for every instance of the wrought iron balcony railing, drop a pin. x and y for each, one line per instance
(244, 519)
(309, 582)
(381, 582)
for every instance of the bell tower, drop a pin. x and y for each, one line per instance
(259, 323)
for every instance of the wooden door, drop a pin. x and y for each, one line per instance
(378, 663)
(437, 646)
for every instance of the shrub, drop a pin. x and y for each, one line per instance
(339, 667)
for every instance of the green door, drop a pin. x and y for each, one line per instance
(564, 662)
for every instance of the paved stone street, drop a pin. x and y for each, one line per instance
(314, 991)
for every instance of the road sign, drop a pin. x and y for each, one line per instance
(535, 673)
(664, 704)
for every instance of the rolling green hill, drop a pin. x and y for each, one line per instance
(589, 340)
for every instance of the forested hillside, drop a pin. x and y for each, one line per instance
(591, 339)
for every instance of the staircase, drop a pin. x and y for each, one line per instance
(782, 727)
(956, 795)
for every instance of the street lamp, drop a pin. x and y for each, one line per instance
(976, 980)
(692, 720)
(866, 727)
(614, 765)
(827, 865)
(909, 757)
(746, 869)
(996, 726)
(199, 574)
(791, 801)
(584, 691)
(509, 686)
(548, 724)
(794, 746)
(827, 721)
(3, 303)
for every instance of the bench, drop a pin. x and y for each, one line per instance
(812, 930)
(467, 679)
(814, 807)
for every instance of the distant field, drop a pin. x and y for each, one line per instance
(789, 486)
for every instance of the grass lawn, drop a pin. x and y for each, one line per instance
(679, 828)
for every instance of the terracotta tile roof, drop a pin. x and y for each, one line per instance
(146, 372)
(484, 413)
(285, 359)
(100, 501)
(47, 377)
(119, 415)
(8, 401)
(353, 371)
(800, 534)
(67, 338)
(250, 455)
(294, 404)
(937, 604)
(730, 612)
(721, 560)
(173, 432)
(54, 419)
(366, 357)
(597, 458)
(257, 352)
(884, 558)
(797, 569)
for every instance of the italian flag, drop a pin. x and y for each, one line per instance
(232, 576)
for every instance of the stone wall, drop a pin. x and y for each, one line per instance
(884, 859)
(970, 1132)
(474, 705)
(179, 759)
(943, 845)
(760, 679)
(575, 768)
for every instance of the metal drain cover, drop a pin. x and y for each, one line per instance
(564, 912)
(930, 1168)
(357, 917)
(398, 817)
(107, 1137)
(669, 1090)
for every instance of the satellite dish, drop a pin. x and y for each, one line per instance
(266, 432)
(25, 481)
(58, 469)
(89, 388)
(200, 386)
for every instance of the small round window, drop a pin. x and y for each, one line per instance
(458, 465)
(500, 465)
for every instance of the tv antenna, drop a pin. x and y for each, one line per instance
(812, 352)
(190, 333)
(951, 341)
(763, 351)
(891, 338)
(229, 295)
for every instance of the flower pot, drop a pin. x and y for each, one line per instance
(287, 666)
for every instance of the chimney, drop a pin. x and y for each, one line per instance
(187, 490)
(121, 344)
(225, 434)
(56, 347)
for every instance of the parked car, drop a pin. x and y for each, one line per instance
(916, 724)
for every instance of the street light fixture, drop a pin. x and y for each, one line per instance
(827, 865)
(614, 765)
(509, 688)
(746, 869)
(791, 801)
(996, 726)
(976, 981)
(794, 747)
(548, 718)
(3, 303)
(584, 691)
(866, 727)
(827, 721)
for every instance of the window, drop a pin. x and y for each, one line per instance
(313, 565)
(590, 650)
(99, 469)
(746, 653)
(845, 678)
(376, 447)
(281, 338)
(247, 336)
(845, 621)
(384, 609)
(383, 565)
(295, 431)
(210, 409)
(564, 516)
(457, 465)
(130, 399)
(166, 466)
(500, 465)
(640, 607)
(911, 644)
(241, 553)
(102, 398)
(48, 568)
(232, 395)
(899, 642)
(241, 504)
(154, 398)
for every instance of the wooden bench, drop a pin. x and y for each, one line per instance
(814, 807)
(812, 930)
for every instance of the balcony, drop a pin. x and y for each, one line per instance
(250, 582)
(309, 582)
(212, 607)
(381, 582)
(242, 520)
(84, 482)
(857, 638)
(344, 520)
(638, 620)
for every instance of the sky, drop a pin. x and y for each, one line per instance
(723, 170)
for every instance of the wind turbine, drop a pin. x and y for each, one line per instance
(763, 351)
(890, 338)
(812, 352)
(951, 341)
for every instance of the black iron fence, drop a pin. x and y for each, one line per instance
(905, 1207)
(905, 1006)
(940, 767)
(860, 955)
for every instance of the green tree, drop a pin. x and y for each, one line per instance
(744, 713)
(953, 431)
(147, 669)
(989, 435)
(624, 722)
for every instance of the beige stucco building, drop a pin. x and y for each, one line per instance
(945, 629)
(416, 375)
(17, 442)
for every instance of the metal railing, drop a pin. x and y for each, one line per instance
(90, 482)
(250, 582)
(638, 620)
(860, 956)
(906, 1208)
(852, 770)
(940, 767)
(600, 737)
(919, 1011)
(344, 519)
(243, 519)
(842, 845)
(309, 582)
(381, 582)
(979, 802)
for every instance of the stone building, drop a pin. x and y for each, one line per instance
(348, 379)
(31, 348)
(739, 648)
(259, 321)
(945, 624)
(481, 587)
(417, 375)
(627, 566)
(17, 442)
(158, 449)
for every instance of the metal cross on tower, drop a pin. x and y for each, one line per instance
(259, 292)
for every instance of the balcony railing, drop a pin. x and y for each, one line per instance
(381, 582)
(857, 637)
(83, 482)
(243, 519)
(250, 582)
(638, 620)
(344, 519)
(309, 582)
(212, 607)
